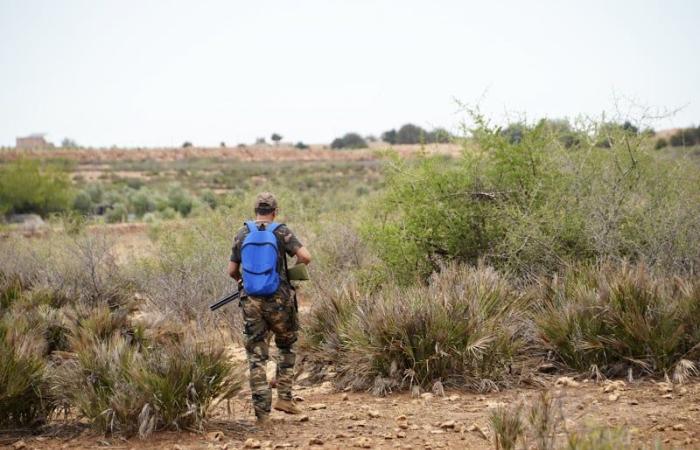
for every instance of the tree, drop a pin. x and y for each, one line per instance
(439, 136)
(276, 138)
(410, 134)
(186, 144)
(301, 146)
(350, 140)
(389, 136)
(69, 143)
(260, 141)
(27, 187)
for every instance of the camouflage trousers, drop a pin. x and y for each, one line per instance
(262, 316)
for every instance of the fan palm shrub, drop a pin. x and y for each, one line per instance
(618, 315)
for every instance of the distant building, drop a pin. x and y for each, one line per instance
(32, 141)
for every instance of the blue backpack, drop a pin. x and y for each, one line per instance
(259, 254)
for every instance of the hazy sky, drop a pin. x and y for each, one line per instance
(149, 73)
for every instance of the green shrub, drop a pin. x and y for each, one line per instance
(660, 143)
(152, 378)
(462, 331)
(118, 213)
(410, 134)
(350, 140)
(143, 202)
(82, 202)
(618, 317)
(27, 187)
(180, 200)
(23, 399)
(530, 205)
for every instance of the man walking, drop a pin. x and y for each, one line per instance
(259, 261)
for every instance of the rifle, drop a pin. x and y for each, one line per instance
(227, 299)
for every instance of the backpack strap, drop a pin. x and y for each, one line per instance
(252, 226)
(272, 226)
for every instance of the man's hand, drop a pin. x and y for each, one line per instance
(234, 270)
(303, 256)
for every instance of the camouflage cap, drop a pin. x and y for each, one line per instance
(265, 200)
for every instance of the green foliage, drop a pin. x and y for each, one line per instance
(152, 377)
(660, 143)
(461, 330)
(611, 316)
(82, 202)
(118, 213)
(180, 200)
(529, 204)
(410, 134)
(350, 140)
(301, 146)
(685, 137)
(27, 187)
(389, 136)
(276, 138)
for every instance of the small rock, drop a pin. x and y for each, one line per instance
(612, 386)
(477, 429)
(341, 436)
(388, 436)
(668, 396)
(251, 443)
(437, 431)
(354, 417)
(566, 382)
(678, 427)
(633, 401)
(317, 406)
(19, 445)
(448, 424)
(401, 418)
(426, 396)
(298, 398)
(176, 447)
(283, 445)
(216, 436)
(345, 397)
(316, 441)
(403, 425)
(303, 418)
(614, 397)
(373, 413)
(400, 434)
(362, 442)
(453, 398)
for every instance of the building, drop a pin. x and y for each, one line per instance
(32, 141)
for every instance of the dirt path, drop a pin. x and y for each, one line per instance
(457, 420)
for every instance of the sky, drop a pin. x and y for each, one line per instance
(157, 73)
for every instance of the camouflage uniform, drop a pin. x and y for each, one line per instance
(276, 314)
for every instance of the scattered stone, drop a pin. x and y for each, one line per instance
(612, 386)
(345, 397)
(453, 397)
(668, 396)
(546, 368)
(614, 397)
(317, 406)
(373, 413)
(251, 443)
(267, 444)
(448, 424)
(678, 427)
(566, 382)
(665, 387)
(388, 436)
(354, 417)
(413, 427)
(633, 401)
(283, 445)
(401, 418)
(437, 431)
(19, 445)
(426, 396)
(216, 436)
(303, 418)
(316, 441)
(477, 429)
(362, 442)
(341, 436)
(403, 425)
(176, 447)
(400, 434)
(298, 398)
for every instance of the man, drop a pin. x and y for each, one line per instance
(276, 313)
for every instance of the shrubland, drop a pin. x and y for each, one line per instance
(536, 244)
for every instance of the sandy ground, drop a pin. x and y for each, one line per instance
(456, 420)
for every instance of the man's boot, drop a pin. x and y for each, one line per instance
(286, 406)
(262, 421)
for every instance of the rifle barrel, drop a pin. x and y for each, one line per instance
(225, 300)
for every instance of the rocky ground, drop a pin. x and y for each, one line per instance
(651, 412)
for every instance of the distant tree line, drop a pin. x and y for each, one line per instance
(684, 137)
(413, 134)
